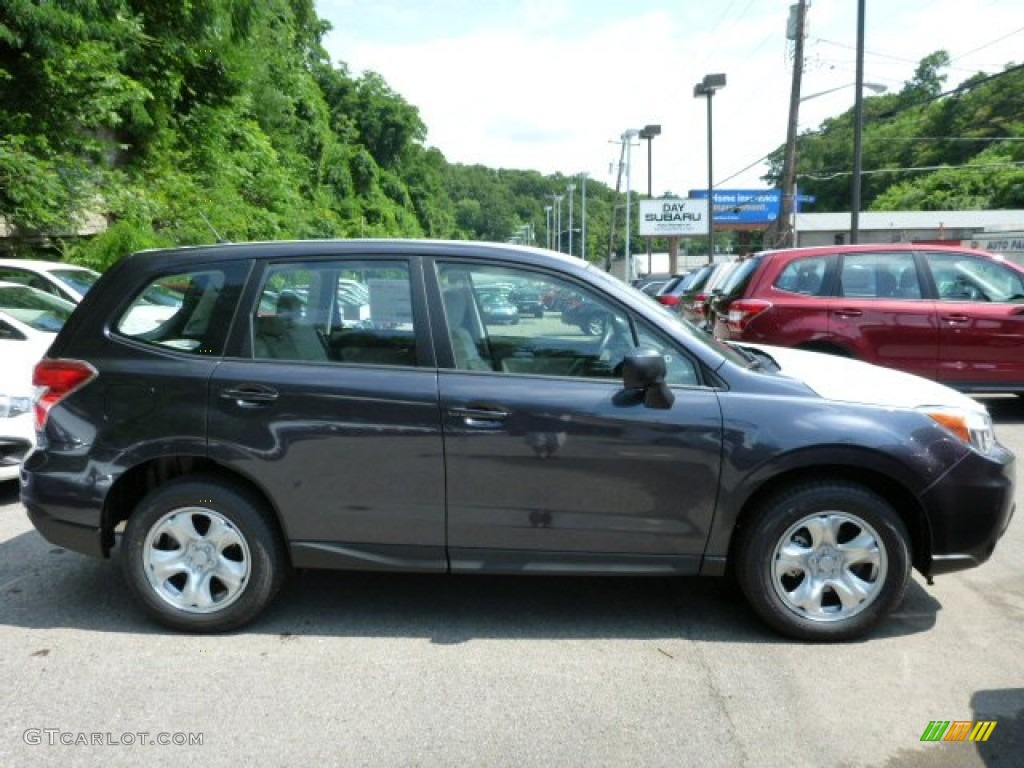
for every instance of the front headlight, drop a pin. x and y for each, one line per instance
(972, 427)
(14, 406)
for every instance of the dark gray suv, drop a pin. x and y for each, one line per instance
(347, 405)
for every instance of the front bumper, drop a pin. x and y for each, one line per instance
(968, 510)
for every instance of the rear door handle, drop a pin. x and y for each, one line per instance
(481, 416)
(250, 395)
(957, 318)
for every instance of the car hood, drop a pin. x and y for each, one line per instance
(852, 381)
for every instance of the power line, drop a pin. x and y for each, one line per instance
(988, 45)
(916, 169)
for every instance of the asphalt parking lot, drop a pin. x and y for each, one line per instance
(385, 670)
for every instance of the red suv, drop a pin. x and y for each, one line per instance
(951, 314)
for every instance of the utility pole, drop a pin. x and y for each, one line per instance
(858, 130)
(615, 208)
(795, 32)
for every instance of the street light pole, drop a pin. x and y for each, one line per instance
(583, 206)
(707, 88)
(571, 189)
(649, 132)
(558, 222)
(547, 210)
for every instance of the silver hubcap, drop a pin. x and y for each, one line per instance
(196, 560)
(829, 566)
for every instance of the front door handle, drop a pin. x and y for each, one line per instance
(250, 395)
(849, 312)
(480, 416)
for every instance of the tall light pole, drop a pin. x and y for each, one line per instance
(628, 137)
(571, 189)
(858, 129)
(547, 210)
(649, 132)
(583, 207)
(707, 88)
(558, 222)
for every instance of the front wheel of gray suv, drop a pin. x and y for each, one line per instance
(824, 561)
(202, 555)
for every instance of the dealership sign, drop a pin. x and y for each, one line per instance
(743, 206)
(673, 217)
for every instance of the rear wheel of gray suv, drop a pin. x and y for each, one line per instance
(824, 560)
(202, 555)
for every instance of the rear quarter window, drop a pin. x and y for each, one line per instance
(806, 276)
(188, 311)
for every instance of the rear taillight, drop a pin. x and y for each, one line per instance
(56, 379)
(699, 302)
(742, 311)
(668, 301)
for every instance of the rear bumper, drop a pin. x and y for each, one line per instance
(85, 539)
(968, 511)
(64, 501)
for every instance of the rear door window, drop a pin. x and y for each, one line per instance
(881, 275)
(339, 311)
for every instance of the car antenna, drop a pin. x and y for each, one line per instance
(212, 229)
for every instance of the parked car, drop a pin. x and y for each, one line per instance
(645, 282)
(579, 311)
(498, 310)
(951, 314)
(67, 281)
(693, 300)
(227, 446)
(29, 321)
(527, 301)
(680, 285)
(654, 287)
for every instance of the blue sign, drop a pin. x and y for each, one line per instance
(743, 206)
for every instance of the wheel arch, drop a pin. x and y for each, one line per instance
(133, 485)
(902, 499)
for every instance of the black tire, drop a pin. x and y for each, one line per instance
(807, 518)
(212, 535)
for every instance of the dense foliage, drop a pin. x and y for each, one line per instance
(923, 149)
(179, 123)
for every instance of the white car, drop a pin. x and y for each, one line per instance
(67, 281)
(29, 321)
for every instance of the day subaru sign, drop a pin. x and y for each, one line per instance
(673, 217)
(743, 206)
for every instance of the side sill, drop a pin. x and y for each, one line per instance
(356, 557)
(506, 561)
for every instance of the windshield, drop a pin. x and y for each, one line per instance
(677, 321)
(35, 309)
(79, 280)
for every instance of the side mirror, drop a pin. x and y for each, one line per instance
(645, 370)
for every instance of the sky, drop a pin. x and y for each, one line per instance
(551, 85)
